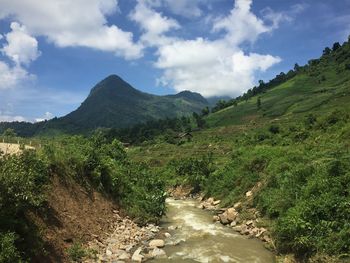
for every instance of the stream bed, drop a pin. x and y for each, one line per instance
(199, 239)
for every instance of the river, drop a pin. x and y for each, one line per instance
(201, 240)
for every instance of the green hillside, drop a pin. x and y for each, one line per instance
(291, 151)
(320, 86)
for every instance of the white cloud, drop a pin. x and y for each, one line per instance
(10, 118)
(210, 68)
(241, 24)
(69, 23)
(219, 66)
(153, 24)
(10, 77)
(184, 7)
(47, 116)
(21, 47)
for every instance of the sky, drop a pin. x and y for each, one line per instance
(53, 52)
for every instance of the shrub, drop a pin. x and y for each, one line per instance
(8, 251)
(76, 252)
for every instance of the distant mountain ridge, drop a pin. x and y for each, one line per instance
(114, 103)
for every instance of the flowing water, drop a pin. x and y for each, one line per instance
(201, 240)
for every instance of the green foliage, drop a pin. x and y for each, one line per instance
(9, 133)
(193, 171)
(8, 251)
(96, 162)
(23, 181)
(77, 252)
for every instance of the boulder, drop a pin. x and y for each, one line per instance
(157, 243)
(158, 253)
(231, 214)
(216, 218)
(137, 256)
(223, 219)
(216, 202)
(210, 200)
(249, 223)
(167, 235)
(237, 228)
(124, 256)
(249, 194)
(237, 206)
(233, 223)
(108, 252)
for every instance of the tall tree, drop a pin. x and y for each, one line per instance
(336, 46)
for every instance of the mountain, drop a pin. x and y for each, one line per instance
(113, 103)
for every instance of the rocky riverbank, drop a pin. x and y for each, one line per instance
(232, 217)
(127, 242)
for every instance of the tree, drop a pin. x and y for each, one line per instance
(199, 120)
(9, 133)
(326, 51)
(296, 67)
(258, 103)
(205, 111)
(336, 46)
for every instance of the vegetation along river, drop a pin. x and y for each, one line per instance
(201, 240)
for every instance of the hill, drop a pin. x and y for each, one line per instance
(318, 87)
(113, 103)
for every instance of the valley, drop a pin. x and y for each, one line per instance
(276, 158)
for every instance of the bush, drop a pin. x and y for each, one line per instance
(76, 252)
(23, 180)
(8, 251)
(193, 171)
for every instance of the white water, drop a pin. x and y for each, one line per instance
(201, 240)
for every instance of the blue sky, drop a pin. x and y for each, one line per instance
(53, 52)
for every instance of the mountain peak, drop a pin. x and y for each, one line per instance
(112, 84)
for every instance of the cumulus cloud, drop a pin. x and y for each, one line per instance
(153, 24)
(216, 66)
(47, 116)
(210, 68)
(69, 23)
(21, 49)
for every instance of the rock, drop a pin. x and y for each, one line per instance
(124, 256)
(249, 222)
(289, 259)
(233, 223)
(249, 194)
(108, 252)
(244, 230)
(237, 228)
(237, 206)
(223, 219)
(158, 253)
(231, 214)
(171, 228)
(267, 239)
(216, 202)
(156, 243)
(210, 200)
(216, 218)
(137, 256)
(167, 235)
